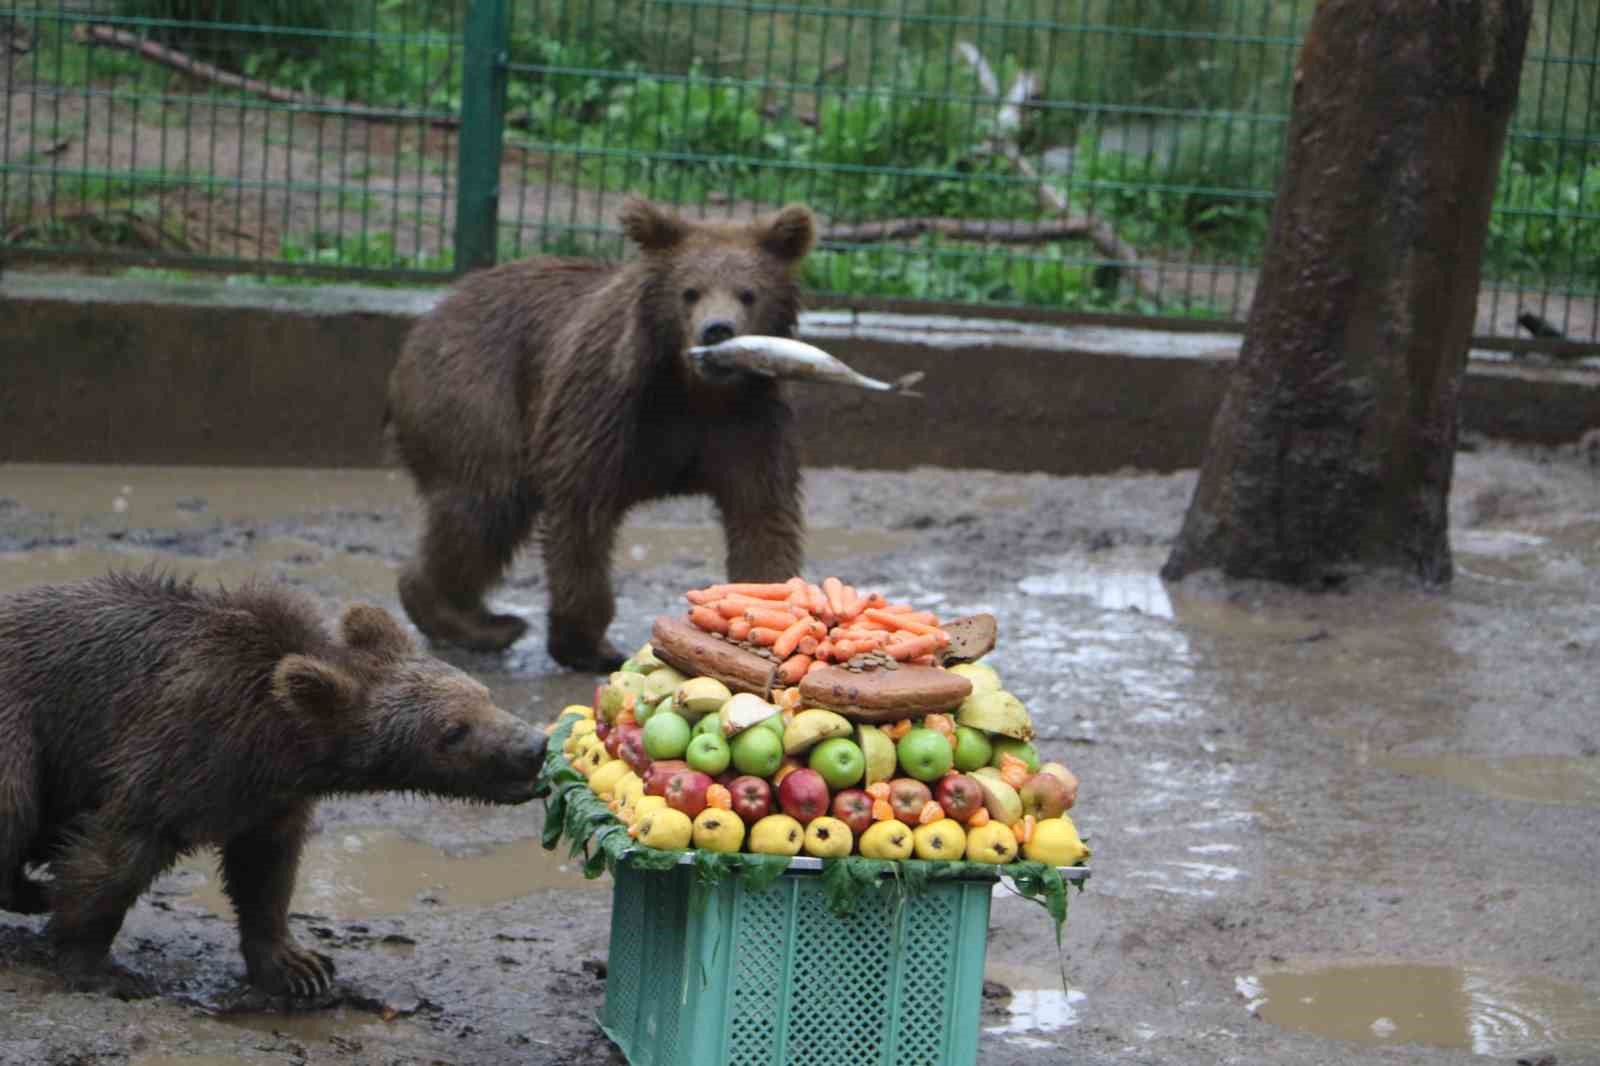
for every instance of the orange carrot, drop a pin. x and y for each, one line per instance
(912, 647)
(738, 629)
(1014, 771)
(769, 619)
(899, 729)
(789, 639)
(700, 596)
(816, 664)
(787, 699)
(825, 651)
(898, 621)
(793, 668)
(758, 591)
(881, 811)
(923, 660)
(1023, 830)
(942, 723)
(833, 590)
(719, 797)
(979, 817)
(931, 812)
(764, 636)
(708, 619)
(844, 650)
(736, 606)
(852, 606)
(878, 791)
(807, 645)
(816, 600)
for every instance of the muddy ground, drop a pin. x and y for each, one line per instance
(1353, 827)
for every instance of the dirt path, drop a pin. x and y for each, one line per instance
(1279, 789)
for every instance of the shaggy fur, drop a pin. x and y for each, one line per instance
(558, 390)
(142, 718)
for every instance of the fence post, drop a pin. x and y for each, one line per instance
(478, 149)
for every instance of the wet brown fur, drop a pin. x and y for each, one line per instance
(142, 718)
(557, 390)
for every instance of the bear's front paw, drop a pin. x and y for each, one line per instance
(587, 658)
(93, 972)
(286, 969)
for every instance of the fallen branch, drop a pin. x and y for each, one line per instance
(1147, 280)
(187, 64)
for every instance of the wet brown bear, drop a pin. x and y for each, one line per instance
(142, 718)
(559, 390)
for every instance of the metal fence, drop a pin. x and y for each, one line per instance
(1060, 156)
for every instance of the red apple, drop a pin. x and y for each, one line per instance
(686, 791)
(613, 740)
(602, 729)
(727, 777)
(959, 795)
(655, 782)
(752, 798)
(853, 807)
(803, 795)
(632, 751)
(908, 796)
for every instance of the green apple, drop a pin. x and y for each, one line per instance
(666, 735)
(708, 724)
(924, 754)
(774, 723)
(839, 761)
(709, 753)
(972, 749)
(758, 752)
(1019, 748)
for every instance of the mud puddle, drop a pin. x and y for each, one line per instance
(355, 872)
(1555, 779)
(1038, 1005)
(643, 547)
(1467, 1008)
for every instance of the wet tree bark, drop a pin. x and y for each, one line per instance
(1334, 446)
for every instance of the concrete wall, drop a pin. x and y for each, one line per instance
(93, 370)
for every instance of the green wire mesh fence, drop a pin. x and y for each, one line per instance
(1079, 156)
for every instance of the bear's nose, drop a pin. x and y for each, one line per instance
(532, 756)
(716, 331)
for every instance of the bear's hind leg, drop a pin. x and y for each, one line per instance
(467, 543)
(19, 821)
(99, 875)
(577, 561)
(258, 871)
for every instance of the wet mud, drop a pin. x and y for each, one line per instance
(1349, 827)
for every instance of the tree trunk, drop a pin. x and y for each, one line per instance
(1335, 444)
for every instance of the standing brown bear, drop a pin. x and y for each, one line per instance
(559, 390)
(142, 719)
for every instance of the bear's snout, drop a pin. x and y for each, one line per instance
(716, 331)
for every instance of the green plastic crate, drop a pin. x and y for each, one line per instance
(772, 978)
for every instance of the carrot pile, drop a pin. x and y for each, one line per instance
(808, 626)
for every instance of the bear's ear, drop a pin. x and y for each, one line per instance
(651, 228)
(789, 234)
(302, 681)
(375, 630)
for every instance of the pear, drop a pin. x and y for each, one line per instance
(1055, 842)
(742, 711)
(944, 839)
(889, 839)
(777, 834)
(665, 828)
(605, 777)
(661, 683)
(1005, 806)
(982, 676)
(717, 830)
(644, 660)
(879, 751)
(992, 843)
(811, 727)
(996, 712)
(702, 695)
(828, 838)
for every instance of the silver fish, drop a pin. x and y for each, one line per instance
(781, 357)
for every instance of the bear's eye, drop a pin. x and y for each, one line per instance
(691, 295)
(747, 297)
(454, 735)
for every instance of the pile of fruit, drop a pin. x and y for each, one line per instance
(685, 761)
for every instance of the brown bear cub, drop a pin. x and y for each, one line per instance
(559, 390)
(142, 719)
